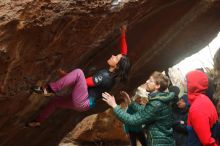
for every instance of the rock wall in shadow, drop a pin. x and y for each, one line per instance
(37, 37)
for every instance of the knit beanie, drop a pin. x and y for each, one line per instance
(174, 89)
(184, 97)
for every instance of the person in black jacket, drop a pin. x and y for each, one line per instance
(180, 113)
(180, 108)
(84, 90)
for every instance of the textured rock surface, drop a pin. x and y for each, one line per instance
(101, 128)
(217, 78)
(39, 36)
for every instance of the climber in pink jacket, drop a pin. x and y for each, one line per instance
(85, 91)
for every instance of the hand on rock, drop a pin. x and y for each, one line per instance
(61, 72)
(123, 28)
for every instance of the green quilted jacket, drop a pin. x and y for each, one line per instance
(156, 116)
(129, 128)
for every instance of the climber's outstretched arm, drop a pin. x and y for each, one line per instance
(124, 49)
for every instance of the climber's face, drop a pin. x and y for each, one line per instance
(113, 60)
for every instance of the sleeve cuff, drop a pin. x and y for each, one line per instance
(117, 108)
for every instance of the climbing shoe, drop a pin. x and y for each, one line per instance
(33, 124)
(46, 91)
